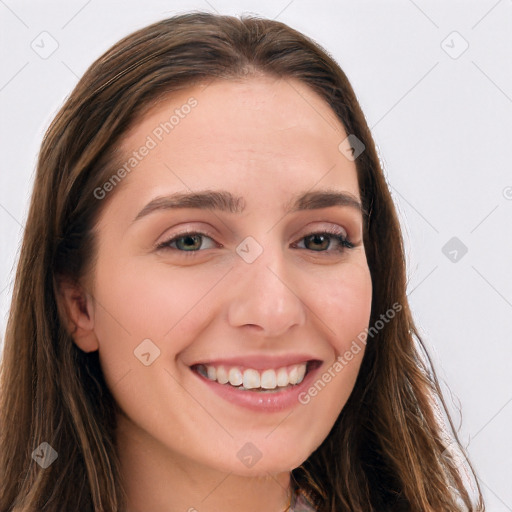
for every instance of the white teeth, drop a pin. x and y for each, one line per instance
(235, 377)
(212, 372)
(268, 379)
(282, 377)
(293, 376)
(253, 379)
(301, 373)
(222, 375)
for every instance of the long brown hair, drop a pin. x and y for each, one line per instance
(386, 451)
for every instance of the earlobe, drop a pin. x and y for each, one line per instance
(77, 311)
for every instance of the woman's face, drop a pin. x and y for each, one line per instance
(256, 291)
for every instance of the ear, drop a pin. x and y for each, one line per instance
(77, 310)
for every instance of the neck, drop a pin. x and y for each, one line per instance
(160, 480)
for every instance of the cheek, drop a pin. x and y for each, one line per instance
(342, 301)
(342, 306)
(135, 302)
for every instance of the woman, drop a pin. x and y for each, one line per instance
(210, 306)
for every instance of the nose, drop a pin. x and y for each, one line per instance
(266, 297)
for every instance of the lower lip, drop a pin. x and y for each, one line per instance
(262, 402)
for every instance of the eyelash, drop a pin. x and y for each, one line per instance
(333, 233)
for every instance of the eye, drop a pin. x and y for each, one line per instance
(321, 241)
(191, 241)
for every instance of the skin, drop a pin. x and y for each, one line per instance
(264, 139)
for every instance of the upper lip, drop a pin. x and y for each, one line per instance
(259, 362)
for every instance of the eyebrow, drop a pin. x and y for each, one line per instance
(223, 200)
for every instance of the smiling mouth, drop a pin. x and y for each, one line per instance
(262, 381)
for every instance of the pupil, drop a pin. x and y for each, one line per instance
(321, 240)
(190, 241)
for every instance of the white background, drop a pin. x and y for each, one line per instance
(442, 121)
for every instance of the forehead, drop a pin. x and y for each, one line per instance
(258, 136)
(253, 104)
